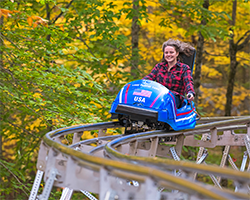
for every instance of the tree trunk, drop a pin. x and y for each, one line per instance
(135, 39)
(198, 62)
(233, 64)
(231, 78)
(1, 106)
(48, 18)
(230, 86)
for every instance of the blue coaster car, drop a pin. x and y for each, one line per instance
(146, 103)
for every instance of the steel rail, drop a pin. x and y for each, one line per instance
(163, 178)
(94, 140)
(168, 163)
(137, 168)
(86, 127)
(163, 133)
(205, 128)
(213, 119)
(223, 123)
(78, 128)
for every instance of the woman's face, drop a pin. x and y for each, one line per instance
(170, 54)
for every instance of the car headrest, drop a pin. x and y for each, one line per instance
(189, 60)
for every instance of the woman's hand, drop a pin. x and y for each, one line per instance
(190, 96)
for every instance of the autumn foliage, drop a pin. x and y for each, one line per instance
(63, 61)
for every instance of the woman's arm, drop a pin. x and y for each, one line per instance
(188, 81)
(153, 74)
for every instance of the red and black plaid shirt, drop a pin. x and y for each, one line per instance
(179, 79)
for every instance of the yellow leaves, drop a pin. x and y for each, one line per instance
(221, 60)
(9, 139)
(32, 20)
(37, 95)
(95, 135)
(61, 26)
(34, 125)
(6, 13)
(90, 135)
(87, 135)
(77, 85)
(152, 3)
(8, 150)
(106, 113)
(242, 94)
(244, 57)
(36, 20)
(113, 70)
(214, 100)
(56, 121)
(96, 104)
(65, 51)
(210, 72)
(68, 49)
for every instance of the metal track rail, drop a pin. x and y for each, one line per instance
(135, 166)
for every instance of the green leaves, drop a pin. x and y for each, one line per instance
(190, 14)
(47, 82)
(68, 70)
(131, 12)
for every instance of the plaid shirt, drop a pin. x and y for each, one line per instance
(179, 79)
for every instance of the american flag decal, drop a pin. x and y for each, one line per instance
(144, 93)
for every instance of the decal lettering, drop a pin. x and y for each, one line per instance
(139, 99)
(149, 86)
(155, 88)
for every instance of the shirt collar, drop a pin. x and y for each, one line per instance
(165, 64)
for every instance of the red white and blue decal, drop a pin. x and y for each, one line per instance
(144, 93)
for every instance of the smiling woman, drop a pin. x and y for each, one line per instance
(170, 55)
(172, 73)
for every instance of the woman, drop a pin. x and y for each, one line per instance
(173, 74)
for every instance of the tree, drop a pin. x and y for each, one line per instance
(135, 36)
(1, 106)
(198, 63)
(234, 48)
(47, 77)
(216, 65)
(1, 66)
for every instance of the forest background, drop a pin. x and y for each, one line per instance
(62, 63)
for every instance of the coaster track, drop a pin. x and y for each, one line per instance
(141, 165)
